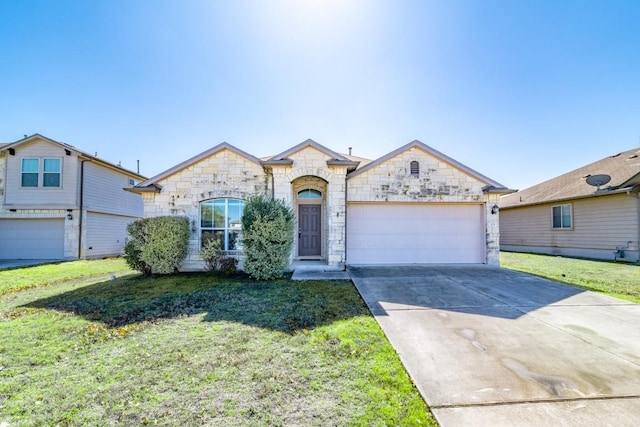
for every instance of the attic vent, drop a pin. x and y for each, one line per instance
(415, 168)
(616, 155)
(635, 156)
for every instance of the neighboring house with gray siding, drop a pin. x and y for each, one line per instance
(569, 217)
(58, 202)
(413, 205)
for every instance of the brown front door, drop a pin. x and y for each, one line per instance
(309, 230)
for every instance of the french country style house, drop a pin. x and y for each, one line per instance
(413, 205)
(58, 202)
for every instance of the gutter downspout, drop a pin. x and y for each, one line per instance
(346, 187)
(80, 216)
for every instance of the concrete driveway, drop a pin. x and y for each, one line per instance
(493, 347)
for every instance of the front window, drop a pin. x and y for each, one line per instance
(561, 216)
(221, 219)
(51, 173)
(30, 170)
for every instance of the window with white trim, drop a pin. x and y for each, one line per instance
(561, 217)
(51, 173)
(33, 176)
(221, 219)
(30, 172)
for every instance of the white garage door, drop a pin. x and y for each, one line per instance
(32, 238)
(402, 233)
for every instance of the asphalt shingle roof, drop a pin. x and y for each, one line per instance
(623, 168)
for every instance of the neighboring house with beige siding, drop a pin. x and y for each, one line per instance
(58, 202)
(569, 217)
(413, 205)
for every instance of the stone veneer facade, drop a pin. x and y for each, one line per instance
(230, 173)
(436, 182)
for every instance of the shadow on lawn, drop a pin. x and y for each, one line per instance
(280, 305)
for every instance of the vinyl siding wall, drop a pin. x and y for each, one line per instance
(17, 196)
(105, 234)
(600, 226)
(103, 192)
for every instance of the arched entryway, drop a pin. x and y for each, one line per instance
(309, 193)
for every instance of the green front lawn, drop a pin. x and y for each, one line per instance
(77, 348)
(615, 279)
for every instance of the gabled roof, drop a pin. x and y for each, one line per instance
(70, 149)
(151, 183)
(492, 186)
(305, 144)
(335, 159)
(623, 168)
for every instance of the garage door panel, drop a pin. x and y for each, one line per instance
(390, 234)
(32, 239)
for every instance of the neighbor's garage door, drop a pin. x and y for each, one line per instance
(403, 233)
(32, 238)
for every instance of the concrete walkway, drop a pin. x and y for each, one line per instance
(493, 347)
(316, 270)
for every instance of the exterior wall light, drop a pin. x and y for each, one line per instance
(494, 209)
(69, 216)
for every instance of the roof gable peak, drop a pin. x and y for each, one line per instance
(435, 153)
(198, 157)
(309, 143)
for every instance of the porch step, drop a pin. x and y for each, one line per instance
(317, 271)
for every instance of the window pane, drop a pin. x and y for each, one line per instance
(235, 213)
(51, 180)
(219, 213)
(566, 216)
(234, 240)
(557, 217)
(309, 194)
(210, 234)
(29, 179)
(51, 165)
(30, 165)
(206, 215)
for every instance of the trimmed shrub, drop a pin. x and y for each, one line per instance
(166, 243)
(267, 237)
(228, 265)
(210, 254)
(157, 244)
(133, 247)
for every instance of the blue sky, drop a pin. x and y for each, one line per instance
(519, 90)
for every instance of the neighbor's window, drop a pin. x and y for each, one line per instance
(415, 168)
(51, 173)
(221, 219)
(561, 216)
(30, 170)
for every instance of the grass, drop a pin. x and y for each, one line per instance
(48, 274)
(191, 349)
(614, 279)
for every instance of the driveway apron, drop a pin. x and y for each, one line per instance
(492, 347)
